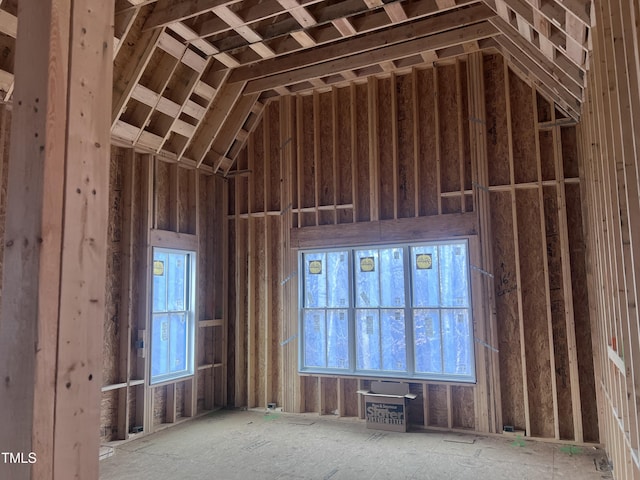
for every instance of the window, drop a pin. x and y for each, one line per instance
(401, 311)
(173, 316)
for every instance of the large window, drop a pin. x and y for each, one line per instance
(172, 322)
(400, 311)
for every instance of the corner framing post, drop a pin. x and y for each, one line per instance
(56, 229)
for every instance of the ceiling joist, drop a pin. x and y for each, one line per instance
(191, 76)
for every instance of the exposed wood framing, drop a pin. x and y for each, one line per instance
(351, 131)
(609, 136)
(56, 229)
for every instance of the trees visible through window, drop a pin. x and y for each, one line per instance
(172, 322)
(399, 311)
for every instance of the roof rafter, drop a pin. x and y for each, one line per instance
(448, 38)
(363, 43)
(572, 85)
(170, 11)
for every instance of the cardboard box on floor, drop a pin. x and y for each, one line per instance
(386, 405)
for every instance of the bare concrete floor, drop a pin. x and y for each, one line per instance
(247, 445)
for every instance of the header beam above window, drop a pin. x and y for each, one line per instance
(385, 231)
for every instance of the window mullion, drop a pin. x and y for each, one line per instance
(440, 310)
(408, 311)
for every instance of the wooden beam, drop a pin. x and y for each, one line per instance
(226, 97)
(56, 235)
(561, 80)
(385, 231)
(8, 24)
(558, 90)
(302, 16)
(361, 43)
(229, 131)
(169, 11)
(125, 81)
(393, 52)
(556, 36)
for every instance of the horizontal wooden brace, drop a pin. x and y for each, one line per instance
(386, 231)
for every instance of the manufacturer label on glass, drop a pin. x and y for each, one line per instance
(315, 267)
(367, 264)
(424, 261)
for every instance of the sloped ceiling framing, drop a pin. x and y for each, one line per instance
(191, 77)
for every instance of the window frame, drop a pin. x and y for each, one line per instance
(410, 372)
(190, 313)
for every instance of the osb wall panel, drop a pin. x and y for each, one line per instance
(399, 147)
(111, 344)
(507, 311)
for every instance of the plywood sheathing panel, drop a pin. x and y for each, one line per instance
(206, 240)
(462, 405)
(232, 314)
(344, 151)
(258, 169)
(415, 407)
(312, 392)
(547, 164)
(159, 405)
(109, 416)
(180, 400)
(437, 405)
(163, 188)
(385, 148)
(406, 141)
(581, 312)
(328, 395)
(506, 284)
(259, 265)
(427, 160)
(464, 135)
(362, 196)
(448, 133)
(111, 335)
(534, 301)
(308, 171)
(544, 109)
(524, 150)
(200, 395)
(214, 210)
(273, 176)
(350, 398)
(277, 309)
(569, 152)
(556, 298)
(497, 135)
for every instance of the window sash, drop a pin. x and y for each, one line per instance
(173, 315)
